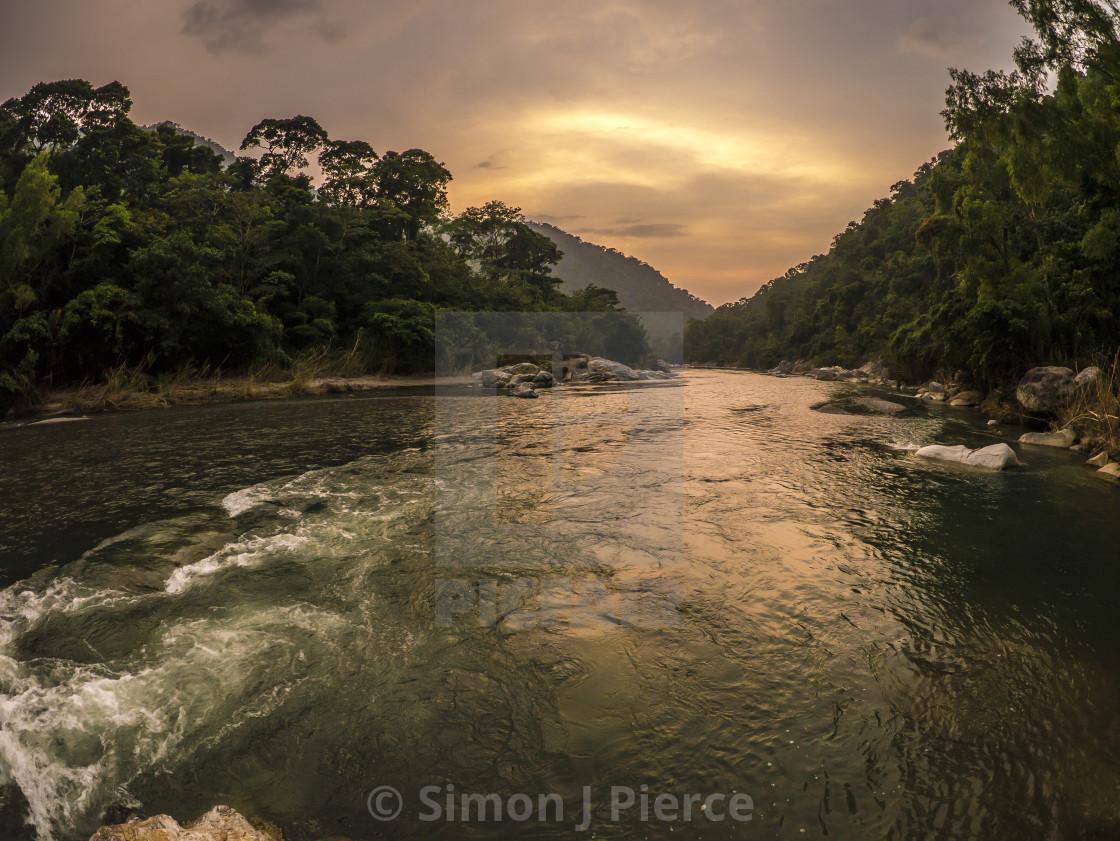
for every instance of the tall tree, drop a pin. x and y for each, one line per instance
(286, 143)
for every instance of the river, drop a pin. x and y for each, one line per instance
(701, 587)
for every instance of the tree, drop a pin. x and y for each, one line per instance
(415, 182)
(347, 177)
(286, 143)
(32, 223)
(506, 249)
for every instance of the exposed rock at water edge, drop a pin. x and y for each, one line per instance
(1064, 438)
(219, 824)
(995, 457)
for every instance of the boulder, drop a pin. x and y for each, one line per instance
(783, 367)
(1064, 438)
(859, 406)
(942, 452)
(491, 378)
(521, 368)
(1045, 390)
(219, 824)
(934, 387)
(995, 457)
(967, 398)
(617, 370)
(875, 369)
(1099, 460)
(523, 390)
(665, 368)
(993, 422)
(1088, 378)
(1110, 471)
(543, 380)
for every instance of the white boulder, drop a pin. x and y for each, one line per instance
(995, 457)
(1064, 438)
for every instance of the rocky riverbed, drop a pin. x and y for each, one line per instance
(1042, 398)
(525, 379)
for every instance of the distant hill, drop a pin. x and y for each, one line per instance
(640, 287)
(227, 156)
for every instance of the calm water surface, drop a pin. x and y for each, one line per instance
(705, 587)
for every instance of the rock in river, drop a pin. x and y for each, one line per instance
(219, 824)
(1110, 471)
(995, 457)
(967, 398)
(859, 406)
(1064, 438)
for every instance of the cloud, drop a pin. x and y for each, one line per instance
(757, 128)
(240, 25)
(652, 230)
(940, 36)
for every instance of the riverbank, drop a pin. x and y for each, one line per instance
(124, 396)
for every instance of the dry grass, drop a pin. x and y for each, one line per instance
(1095, 410)
(126, 388)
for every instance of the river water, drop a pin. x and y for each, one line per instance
(703, 587)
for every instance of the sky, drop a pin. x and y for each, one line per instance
(721, 141)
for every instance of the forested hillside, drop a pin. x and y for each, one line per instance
(640, 287)
(1001, 254)
(140, 250)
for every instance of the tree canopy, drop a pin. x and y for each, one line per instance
(1000, 254)
(124, 246)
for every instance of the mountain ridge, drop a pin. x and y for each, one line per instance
(640, 287)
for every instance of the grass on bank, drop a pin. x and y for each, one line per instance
(1095, 410)
(132, 387)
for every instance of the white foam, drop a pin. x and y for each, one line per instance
(241, 554)
(241, 501)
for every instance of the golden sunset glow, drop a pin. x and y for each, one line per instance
(691, 136)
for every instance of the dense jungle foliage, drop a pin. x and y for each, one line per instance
(126, 247)
(1000, 254)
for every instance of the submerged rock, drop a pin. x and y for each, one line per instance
(995, 457)
(1064, 438)
(1045, 390)
(219, 824)
(858, 406)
